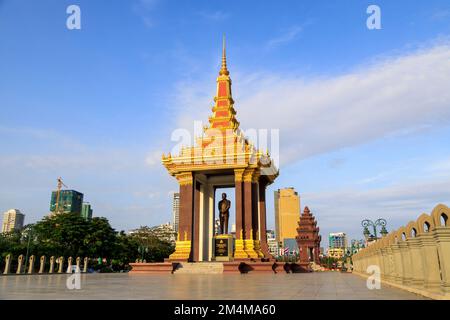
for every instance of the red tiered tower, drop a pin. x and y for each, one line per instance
(308, 238)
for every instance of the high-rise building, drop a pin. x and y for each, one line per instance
(337, 243)
(70, 201)
(337, 240)
(86, 211)
(12, 220)
(176, 210)
(272, 242)
(337, 253)
(287, 214)
(217, 226)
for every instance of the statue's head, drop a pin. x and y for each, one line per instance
(224, 196)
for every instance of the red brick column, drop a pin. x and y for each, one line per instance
(248, 209)
(316, 254)
(239, 202)
(262, 219)
(249, 205)
(186, 207)
(196, 224)
(255, 210)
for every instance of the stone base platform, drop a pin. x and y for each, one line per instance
(281, 268)
(248, 266)
(236, 267)
(231, 267)
(258, 267)
(291, 267)
(199, 268)
(299, 267)
(153, 268)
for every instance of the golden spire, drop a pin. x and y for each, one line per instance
(224, 70)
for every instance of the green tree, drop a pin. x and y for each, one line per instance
(328, 262)
(68, 234)
(11, 243)
(152, 248)
(100, 239)
(62, 234)
(126, 251)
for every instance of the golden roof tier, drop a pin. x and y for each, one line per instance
(222, 144)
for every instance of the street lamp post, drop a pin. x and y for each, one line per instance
(142, 250)
(30, 234)
(366, 223)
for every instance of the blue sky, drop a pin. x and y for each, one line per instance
(364, 115)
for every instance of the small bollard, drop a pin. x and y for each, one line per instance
(52, 265)
(7, 264)
(69, 265)
(20, 264)
(85, 264)
(42, 265)
(60, 264)
(31, 265)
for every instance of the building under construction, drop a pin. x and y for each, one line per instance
(70, 201)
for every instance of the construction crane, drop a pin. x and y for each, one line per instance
(58, 191)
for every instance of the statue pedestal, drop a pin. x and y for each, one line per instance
(223, 247)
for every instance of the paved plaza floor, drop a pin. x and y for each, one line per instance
(324, 285)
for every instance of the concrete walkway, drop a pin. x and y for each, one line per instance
(324, 285)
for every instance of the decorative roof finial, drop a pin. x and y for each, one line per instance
(224, 70)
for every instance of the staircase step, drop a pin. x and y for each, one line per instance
(200, 268)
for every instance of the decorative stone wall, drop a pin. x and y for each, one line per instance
(415, 257)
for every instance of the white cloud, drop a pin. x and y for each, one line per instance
(286, 37)
(391, 97)
(147, 4)
(336, 163)
(154, 158)
(441, 15)
(40, 135)
(398, 95)
(147, 194)
(114, 160)
(214, 16)
(440, 168)
(101, 173)
(443, 166)
(144, 9)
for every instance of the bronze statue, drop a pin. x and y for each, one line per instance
(224, 209)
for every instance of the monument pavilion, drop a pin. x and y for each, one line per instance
(221, 157)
